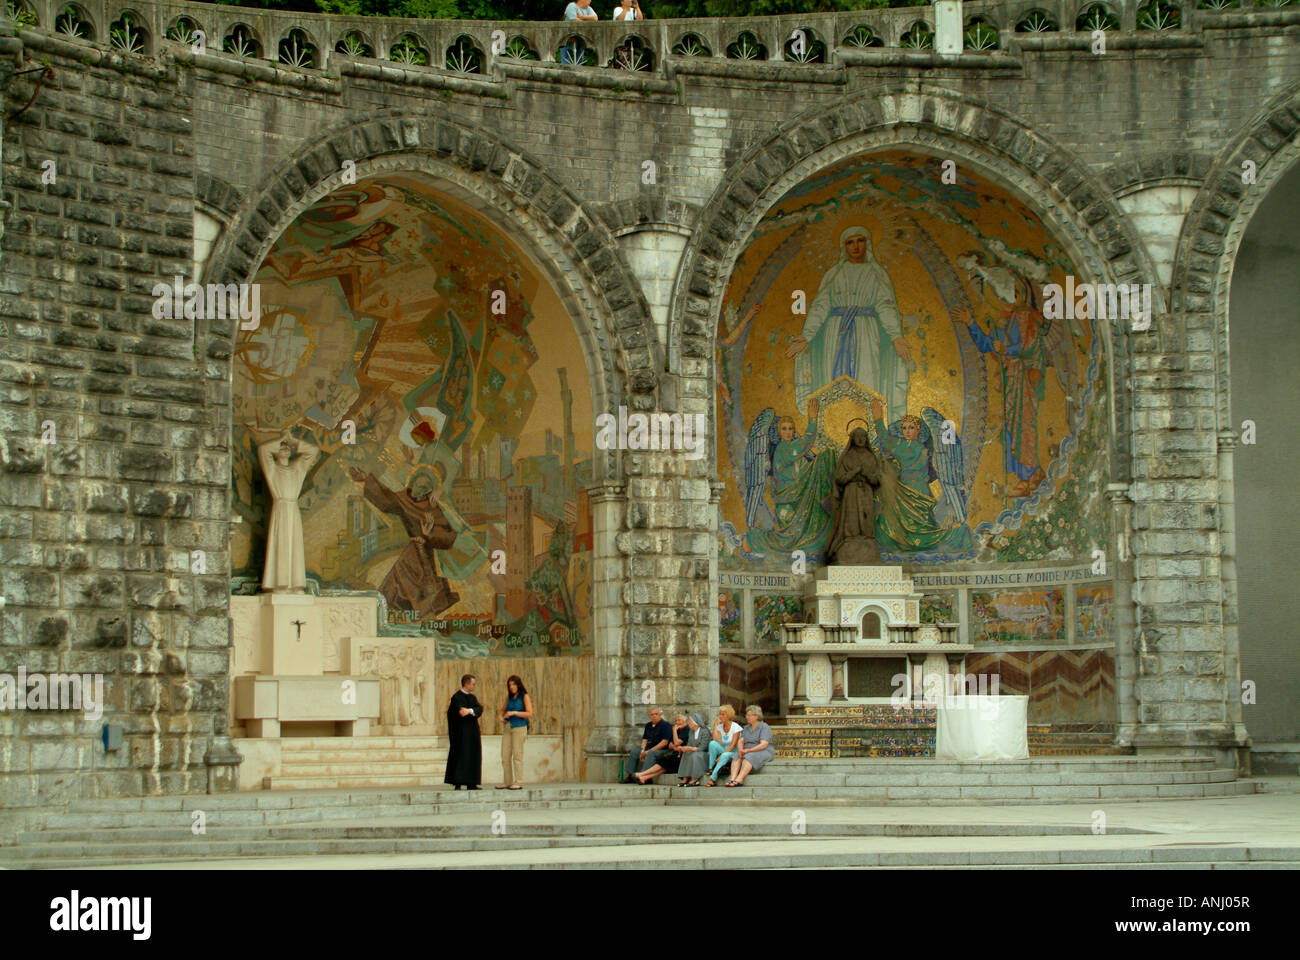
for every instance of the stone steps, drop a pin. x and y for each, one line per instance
(329, 763)
(357, 767)
(288, 744)
(344, 778)
(380, 755)
(344, 806)
(156, 844)
(632, 842)
(870, 764)
(767, 780)
(629, 831)
(719, 853)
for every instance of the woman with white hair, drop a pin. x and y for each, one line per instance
(755, 747)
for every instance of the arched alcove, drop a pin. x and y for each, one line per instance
(428, 357)
(873, 293)
(871, 626)
(1264, 352)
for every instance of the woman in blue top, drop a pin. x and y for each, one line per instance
(518, 710)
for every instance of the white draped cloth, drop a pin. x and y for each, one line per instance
(982, 728)
(286, 569)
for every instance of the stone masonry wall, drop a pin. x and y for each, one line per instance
(98, 528)
(113, 450)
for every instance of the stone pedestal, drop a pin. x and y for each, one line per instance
(948, 37)
(291, 623)
(293, 663)
(863, 611)
(264, 703)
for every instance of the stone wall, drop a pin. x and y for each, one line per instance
(100, 525)
(112, 437)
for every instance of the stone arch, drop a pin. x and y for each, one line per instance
(221, 198)
(872, 622)
(1072, 203)
(1178, 168)
(572, 245)
(216, 204)
(1201, 287)
(1217, 220)
(253, 38)
(649, 213)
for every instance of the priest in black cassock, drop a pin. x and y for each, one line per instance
(465, 756)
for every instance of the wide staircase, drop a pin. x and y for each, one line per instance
(880, 730)
(858, 813)
(331, 763)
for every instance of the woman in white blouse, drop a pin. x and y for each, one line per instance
(726, 740)
(628, 10)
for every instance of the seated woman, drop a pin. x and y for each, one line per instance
(694, 752)
(726, 741)
(666, 764)
(755, 747)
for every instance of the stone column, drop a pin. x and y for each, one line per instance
(1176, 544)
(798, 672)
(839, 678)
(1231, 665)
(605, 740)
(916, 675)
(1121, 565)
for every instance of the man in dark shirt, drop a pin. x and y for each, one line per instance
(656, 737)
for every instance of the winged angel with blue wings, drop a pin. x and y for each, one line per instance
(796, 475)
(908, 518)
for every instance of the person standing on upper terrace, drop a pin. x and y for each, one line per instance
(628, 10)
(580, 10)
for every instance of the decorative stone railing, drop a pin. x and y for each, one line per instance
(849, 634)
(311, 42)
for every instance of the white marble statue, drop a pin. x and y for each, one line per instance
(286, 571)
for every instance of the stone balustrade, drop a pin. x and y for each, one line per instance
(313, 41)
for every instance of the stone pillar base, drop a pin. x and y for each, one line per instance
(222, 761)
(603, 767)
(1226, 755)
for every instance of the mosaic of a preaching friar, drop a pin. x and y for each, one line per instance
(414, 582)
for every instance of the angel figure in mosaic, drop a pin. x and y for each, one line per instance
(785, 486)
(1009, 326)
(914, 453)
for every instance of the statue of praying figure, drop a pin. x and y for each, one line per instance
(285, 570)
(853, 535)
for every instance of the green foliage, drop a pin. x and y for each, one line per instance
(554, 9)
(439, 9)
